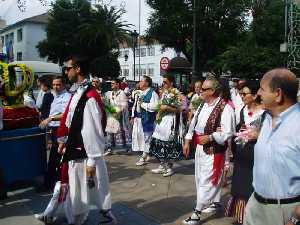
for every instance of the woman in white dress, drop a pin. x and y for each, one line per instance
(163, 144)
(121, 137)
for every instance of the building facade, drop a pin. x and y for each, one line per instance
(147, 61)
(19, 40)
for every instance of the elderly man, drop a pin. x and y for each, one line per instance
(213, 114)
(276, 177)
(58, 106)
(143, 116)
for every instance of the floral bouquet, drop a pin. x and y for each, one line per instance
(113, 124)
(171, 97)
(196, 102)
(245, 134)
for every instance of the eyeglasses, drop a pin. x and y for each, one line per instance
(69, 68)
(205, 89)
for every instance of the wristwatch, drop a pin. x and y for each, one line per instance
(294, 220)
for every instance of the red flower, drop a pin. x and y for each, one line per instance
(250, 114)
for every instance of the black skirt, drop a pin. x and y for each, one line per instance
(166, 150)
(242, 173)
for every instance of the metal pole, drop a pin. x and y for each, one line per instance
(134, 58)
(285, 20)
(139, 40)
(194, 41)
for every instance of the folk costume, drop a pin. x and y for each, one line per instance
(144, 115)
(164, 145)
(122, 137)
(209, 158)
(82, 131)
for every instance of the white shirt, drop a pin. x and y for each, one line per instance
(118, 98)
(152, 105)
(249, 119)
(227, 123)
(237, 102)
(92, 132)
(39, 99)
(58, 106)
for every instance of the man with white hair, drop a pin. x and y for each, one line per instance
(212, 125)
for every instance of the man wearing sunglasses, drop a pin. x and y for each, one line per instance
(81, 138)
(210, 144)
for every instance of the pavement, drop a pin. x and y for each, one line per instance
(139, 197)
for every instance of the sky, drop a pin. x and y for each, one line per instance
(10, 12)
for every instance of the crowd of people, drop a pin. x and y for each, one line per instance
(248, 125)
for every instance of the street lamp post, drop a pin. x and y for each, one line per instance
(134, 36)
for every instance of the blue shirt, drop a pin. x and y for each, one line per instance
(276, 171)
(58, 106)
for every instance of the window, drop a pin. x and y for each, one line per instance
(6, 40)
(137, 53)
(19, 56)
(150, 72)
(126, 72)
(151, 51)
(20, 35)
(11, 37)
(144, 71)
(143, 52)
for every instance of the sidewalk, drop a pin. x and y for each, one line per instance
(139, 197)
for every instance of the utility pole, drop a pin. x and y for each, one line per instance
(195, 66)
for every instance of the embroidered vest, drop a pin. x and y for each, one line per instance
(211, 126)
(148, 118)
(74, 146)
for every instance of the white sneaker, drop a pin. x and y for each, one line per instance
(108, 152)
(192, 220)
(109, 217)
(148, 158)
(169, 172)
(141, 162)
(159, 170)
(212, 208)
(46, 219)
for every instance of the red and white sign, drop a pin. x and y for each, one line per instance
(164, 63)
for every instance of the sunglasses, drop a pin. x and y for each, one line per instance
(69, 68)
(243, 94)
(205, 89)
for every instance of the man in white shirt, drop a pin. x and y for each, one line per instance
(211, 126)
(81, 137)
(143, 116)
(58, 106)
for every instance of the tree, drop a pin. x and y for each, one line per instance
(220, 24)
(258, 51)
(77, 28)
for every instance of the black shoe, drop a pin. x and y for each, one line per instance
(109, 218)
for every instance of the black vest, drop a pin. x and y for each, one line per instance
(74, 146)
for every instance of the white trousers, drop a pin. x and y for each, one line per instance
(140, 139)
(80, 194)
(207, 193)
(54, 204)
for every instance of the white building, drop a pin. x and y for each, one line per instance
(147, 59)
(22, 38)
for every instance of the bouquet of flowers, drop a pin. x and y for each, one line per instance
(244, 135)
(171, 98)
(196, 102)
(113, 124)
